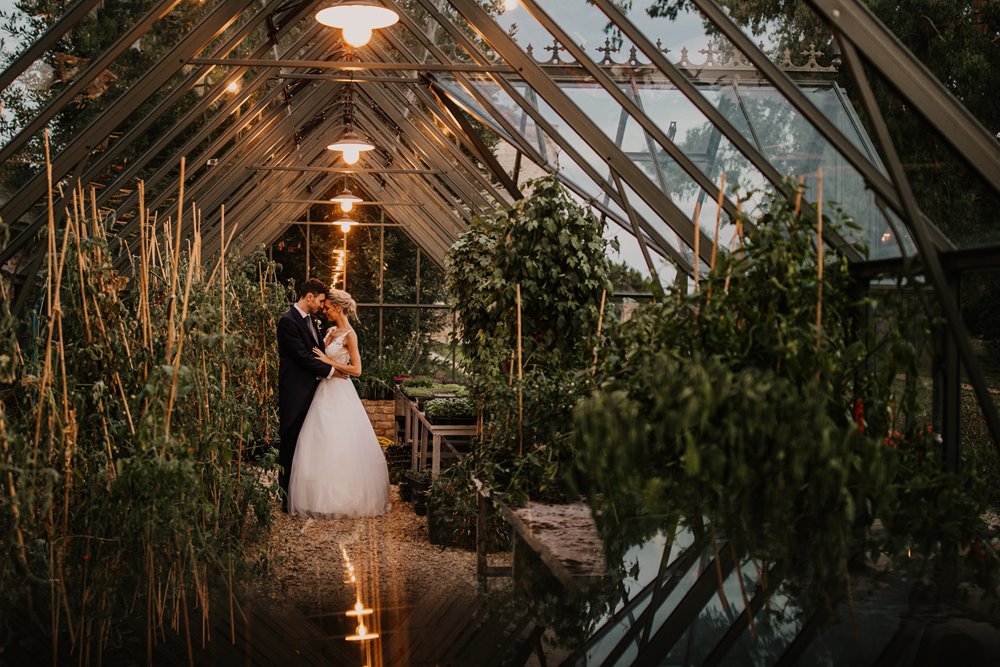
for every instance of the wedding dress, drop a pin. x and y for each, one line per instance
(339, 470)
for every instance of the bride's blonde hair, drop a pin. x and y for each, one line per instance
(344, 301)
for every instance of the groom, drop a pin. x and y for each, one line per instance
(299, 371)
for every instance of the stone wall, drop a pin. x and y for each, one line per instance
(382, 415)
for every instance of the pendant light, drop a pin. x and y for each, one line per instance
(345, 222)
(357, 18)
(351, 146)
(347, 200)
(350, 143)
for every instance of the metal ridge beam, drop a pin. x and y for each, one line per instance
(345, 170)
(349, 65)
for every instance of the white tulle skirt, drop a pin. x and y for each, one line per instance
(338, 470)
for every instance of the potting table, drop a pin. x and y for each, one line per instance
(424, 433)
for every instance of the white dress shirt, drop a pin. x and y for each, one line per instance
(312, 328)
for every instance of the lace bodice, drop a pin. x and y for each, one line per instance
(336, 350)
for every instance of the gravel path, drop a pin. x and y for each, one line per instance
(309, 569)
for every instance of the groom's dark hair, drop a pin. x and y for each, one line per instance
(311, 286)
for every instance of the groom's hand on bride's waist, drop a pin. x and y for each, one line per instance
(342, 376)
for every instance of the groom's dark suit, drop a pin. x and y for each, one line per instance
(299, 373)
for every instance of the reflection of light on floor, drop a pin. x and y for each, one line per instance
(365, 577)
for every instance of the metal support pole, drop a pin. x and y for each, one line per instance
(381, 276)
(418, 292)
(308, 244)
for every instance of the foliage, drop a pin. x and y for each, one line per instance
(417, 382)
(453, 502)
(554, 251)
(450, 407)
(731, 404)
(379, 371)
(126, 426)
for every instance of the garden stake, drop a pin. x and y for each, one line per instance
(520, 379)
(697, 240)
(222, 295)
(718, 573)
(743, 591)
(79, 265)
(143, 275)
(798, 195)
(175, 260)
(718, 219)
(96, 219)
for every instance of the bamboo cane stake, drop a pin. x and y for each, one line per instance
(520, 378)
(175, 260)
(222, 294)
(96, 219)
(218, 262)
(180, 347)
(697, 241)
(819, 256)
(144, 275)
(798, 195)
(597, 343)
(718, 573)
(718, 219)
(49, 269)
(79, 229)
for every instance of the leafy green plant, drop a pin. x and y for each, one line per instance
(730, 403)
(551, 252)
(126, 429)
(450, 407)
(419, 392)
(415, 382)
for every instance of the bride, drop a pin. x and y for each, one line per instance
(339, 470)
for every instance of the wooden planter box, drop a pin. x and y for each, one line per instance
(451, 421)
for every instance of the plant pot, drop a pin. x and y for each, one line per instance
(419, 485)
(405, 492)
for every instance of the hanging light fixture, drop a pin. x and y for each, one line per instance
(345, 223)
(357, 18)
(350, 144)
(347, 200)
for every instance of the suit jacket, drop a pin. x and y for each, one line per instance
(299, 371)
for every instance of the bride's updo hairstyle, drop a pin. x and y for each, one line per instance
(344, 301)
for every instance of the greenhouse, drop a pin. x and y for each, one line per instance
(482, 332)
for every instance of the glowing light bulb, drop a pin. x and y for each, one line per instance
(351, 155)
(346, 206)
(345, 227)
(233, 86)
(357, 35)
